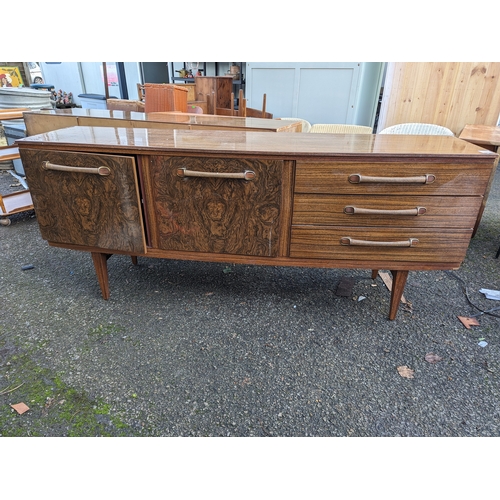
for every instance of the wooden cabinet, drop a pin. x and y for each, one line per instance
(219, 86)
(401, 203)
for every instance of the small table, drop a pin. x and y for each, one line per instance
(482, 135)
(488, 137)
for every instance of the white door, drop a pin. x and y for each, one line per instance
(317, 92)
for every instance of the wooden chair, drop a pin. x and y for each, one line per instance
(253, 112)
(140, 92)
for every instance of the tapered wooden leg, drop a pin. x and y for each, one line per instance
(374, 274)
(134, 259)
(101, 269)
(398, 285)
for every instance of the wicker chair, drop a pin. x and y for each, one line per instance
(341, 128)
(417, 129)
(306, 126)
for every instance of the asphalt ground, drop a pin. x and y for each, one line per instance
(210, 349)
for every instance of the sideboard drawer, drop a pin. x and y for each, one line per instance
(395, 178)
(379, 210)
(413, 245)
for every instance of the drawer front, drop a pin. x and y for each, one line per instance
(93, 200)
(394, 178)
(198, 205)
(392, 211)
(379, 244)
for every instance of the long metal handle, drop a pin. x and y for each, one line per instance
(350, 210)
(419, 179)
(247, 175)
(347, 240)
(46, 165)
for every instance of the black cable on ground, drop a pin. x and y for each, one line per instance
(481, 311)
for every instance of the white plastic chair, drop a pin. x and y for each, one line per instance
(306, 126)
(341, 128)
(417, 129)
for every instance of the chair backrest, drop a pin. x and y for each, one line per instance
(341, 128)
(417, 129)
(306, 126)
(140, 92)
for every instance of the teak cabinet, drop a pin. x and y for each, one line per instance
(392, 202)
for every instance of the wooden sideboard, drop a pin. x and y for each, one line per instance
(402, 203)
(47, 120)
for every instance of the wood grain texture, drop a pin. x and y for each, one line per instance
(220, 86)
(482, 135)
(441, 211)
(42, 121)
(451, 94)
(214, 214)
(398, 286)
(451, 179)
(327, 147)
(101, 270)
(320, 242)
(86, 209)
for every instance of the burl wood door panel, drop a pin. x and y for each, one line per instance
(212, 213)
(85, 208)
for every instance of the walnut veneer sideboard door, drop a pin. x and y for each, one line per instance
(86, 199)
(215, 205)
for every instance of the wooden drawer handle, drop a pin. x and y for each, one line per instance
(46, 165)
(350, 210)
(410, 242)
(420, 179)
(247, 175)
